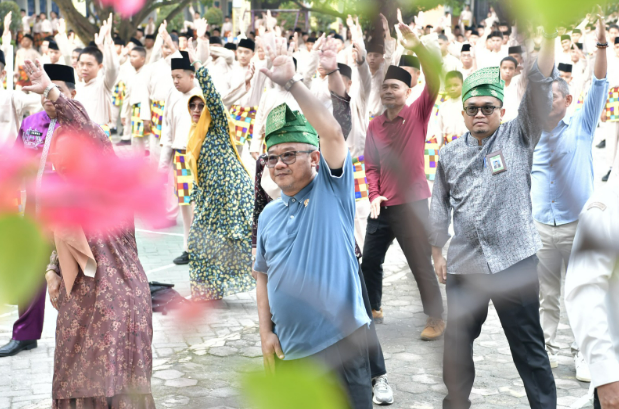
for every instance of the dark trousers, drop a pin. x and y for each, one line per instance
(375, 352)
(408, 224)
(29, 325)
(347, 359)
(515, 295)
(596, 400)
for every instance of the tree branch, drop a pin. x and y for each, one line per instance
(329, 12)
(177, 10)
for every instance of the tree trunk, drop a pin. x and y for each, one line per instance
(80, 24)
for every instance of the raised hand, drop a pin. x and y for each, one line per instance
(349, 21)
(38, 77)
(62, 26)
(249, 75)
(320, 43)
(283, 66)
(399, 16)
(163, 29)
(201, 27)
(328, 55)
(358, 51)
(270, 21)
(385, 26)
(7, 23)
(409, 38)
(600, 31)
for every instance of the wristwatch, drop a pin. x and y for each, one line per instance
(48, 89)
(292, 81)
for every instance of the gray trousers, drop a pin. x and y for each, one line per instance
(557, 245)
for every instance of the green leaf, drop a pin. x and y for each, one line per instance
(23, 256)
(299, 385)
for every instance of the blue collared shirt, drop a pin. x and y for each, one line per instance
(306, 247)
(562, 174)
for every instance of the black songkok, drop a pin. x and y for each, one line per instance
(60, 72)
(345, 70)
(247, 43)
(182, 63)
(409, 61)
(400, 74)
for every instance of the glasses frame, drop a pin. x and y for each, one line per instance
(293, 160)
(477, 109)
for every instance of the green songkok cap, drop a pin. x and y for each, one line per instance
(486, 82)
(283, 126)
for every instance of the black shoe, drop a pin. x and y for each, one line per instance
(113, 131)
(14, 347)
(182, 259)
(602, 144)
(605, 178)
(124, 142)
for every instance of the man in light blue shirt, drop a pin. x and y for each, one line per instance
(309, 295)
(562, 181)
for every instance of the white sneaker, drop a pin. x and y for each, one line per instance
(553, 360)
(582, 369)
(383, 394)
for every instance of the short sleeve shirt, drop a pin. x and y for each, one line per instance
(306, 247)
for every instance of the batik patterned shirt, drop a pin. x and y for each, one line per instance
(486, 188)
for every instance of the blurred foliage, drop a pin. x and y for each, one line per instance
(175, 24)
(299, 386)
(24, 253)
(214, 16)
(7, 6)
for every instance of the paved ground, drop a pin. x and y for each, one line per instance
(198, 365)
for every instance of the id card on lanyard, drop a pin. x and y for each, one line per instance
(496, 161)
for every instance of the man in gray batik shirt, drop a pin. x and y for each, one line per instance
(484, 177)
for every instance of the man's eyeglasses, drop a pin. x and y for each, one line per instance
(486, 110)
(288, 158)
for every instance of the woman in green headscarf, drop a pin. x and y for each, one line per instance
(220, 235)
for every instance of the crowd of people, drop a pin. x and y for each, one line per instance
(469, 143)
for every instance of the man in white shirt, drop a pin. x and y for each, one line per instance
(136, 95)
(564, 55)
(450, 122)
(13, 104)
(467, 62)
(512, 97)
(95, 93)
(410, 63)
(591, 288)
(450, 63)
(26, 20)
(488, 52)
(176, 125)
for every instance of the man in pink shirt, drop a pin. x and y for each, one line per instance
(398, 189)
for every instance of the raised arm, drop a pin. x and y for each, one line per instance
(537, 101)
(332, 143)
(430, 63)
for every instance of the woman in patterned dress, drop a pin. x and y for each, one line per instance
(220, 235)
(103, 355)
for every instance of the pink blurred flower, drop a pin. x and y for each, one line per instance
(100, 191)
(126, 8)
(16, 166)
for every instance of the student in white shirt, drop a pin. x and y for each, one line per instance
(176, 125)
(512, 97)
(591, 288)
(450, 121)
(467, 64)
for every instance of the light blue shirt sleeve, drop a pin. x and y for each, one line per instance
(343, 186)
(260, 265)
(594, 104)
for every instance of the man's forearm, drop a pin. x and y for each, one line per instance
(600, 67)
(336, 84)
(262, 299)
(546, 59)
(430, 64)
